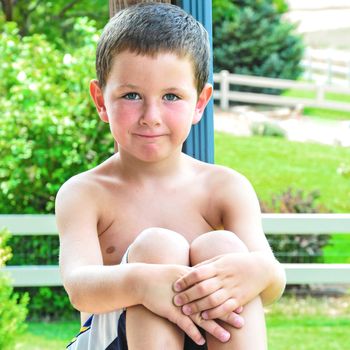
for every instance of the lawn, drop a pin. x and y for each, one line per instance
(293, 324)
(274, 164)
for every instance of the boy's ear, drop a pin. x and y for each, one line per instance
(97, 96)
(202, 102)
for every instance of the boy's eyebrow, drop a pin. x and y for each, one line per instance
(175, 89)
(129, 86)
(132, 86)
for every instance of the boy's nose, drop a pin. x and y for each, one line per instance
(151, 115)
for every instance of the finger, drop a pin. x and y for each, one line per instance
(239, 310)
(195, 276)
(198, 291)
(211, 301)
(233, 319)
(187, 325)
(221, 310)
(213, 328)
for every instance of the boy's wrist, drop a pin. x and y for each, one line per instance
(137, 281)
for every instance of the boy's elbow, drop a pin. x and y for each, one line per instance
(74, 296)
(80, 301)
(83, 299)
(77, 292)
(276, 287)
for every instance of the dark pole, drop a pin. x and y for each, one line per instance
(200, 142)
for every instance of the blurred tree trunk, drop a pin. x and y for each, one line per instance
(7, 8)
(117, 5)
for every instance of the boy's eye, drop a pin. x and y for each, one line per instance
(132, 96)
(171, 97)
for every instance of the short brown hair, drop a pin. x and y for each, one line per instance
(151, 28)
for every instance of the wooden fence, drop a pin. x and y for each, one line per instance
(225, 95)
(272, 223)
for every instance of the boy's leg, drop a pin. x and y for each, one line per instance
(144, 329)
(253, 334)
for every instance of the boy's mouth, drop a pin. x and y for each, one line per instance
(149, 136)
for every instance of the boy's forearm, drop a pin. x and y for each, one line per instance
(99, 289)
(276, 278)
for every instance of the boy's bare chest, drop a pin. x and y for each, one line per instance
(127, 214)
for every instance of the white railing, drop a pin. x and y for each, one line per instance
(327, 65)
(272, 223)
(225, 96)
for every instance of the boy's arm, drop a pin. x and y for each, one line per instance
(91, 287)
(95, 288)
(242, 215)
(249, 274)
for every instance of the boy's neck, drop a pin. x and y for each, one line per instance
(140, 171)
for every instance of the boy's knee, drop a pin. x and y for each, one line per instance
(157, 245)
(214, 243)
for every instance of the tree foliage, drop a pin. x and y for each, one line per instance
(56, 19)
(250, 37)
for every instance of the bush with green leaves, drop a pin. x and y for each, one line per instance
(46, 303)
(267, 129)
(250, 37)
(297, 248)
(12, 307)
(49, 129)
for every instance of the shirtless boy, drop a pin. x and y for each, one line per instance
(154, 244)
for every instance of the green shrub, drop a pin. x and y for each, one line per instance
(298, 248)
(251, 38)
(49, 129)
(34, 250)
(12, 307)
(46, 303)
(267, 129)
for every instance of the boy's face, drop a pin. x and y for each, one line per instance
(150, 103)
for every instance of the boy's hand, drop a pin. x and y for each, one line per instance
(220, 285)
(157, 296)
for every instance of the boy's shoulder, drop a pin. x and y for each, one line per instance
(227, 187)
(222, 176)
(87, 184)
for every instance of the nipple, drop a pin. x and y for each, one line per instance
(110, 250)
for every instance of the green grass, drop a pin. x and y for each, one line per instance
(292, 324)
(322, 112)
(309, 324)
(274, 164)
(53, 336)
